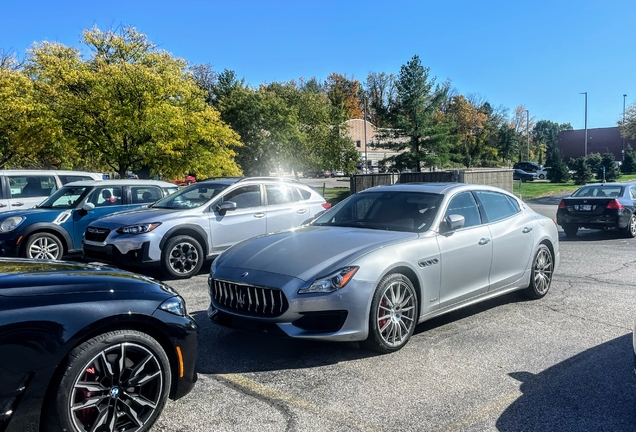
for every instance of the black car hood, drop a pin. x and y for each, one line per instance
(23, 277)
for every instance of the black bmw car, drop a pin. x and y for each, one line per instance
(599, 206)
(89, 348)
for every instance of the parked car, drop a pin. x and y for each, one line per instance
(89, 348)
(185, 181)
(599, 206)
(201, 220)
(523, 175)
(542, 173)
(22, 189)
(383, 260)
(527, 166)
(54, 228)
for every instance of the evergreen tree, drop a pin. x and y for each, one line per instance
(629, 161)
(612, 173)
(583, 173)
(595, 162)
(558, 172)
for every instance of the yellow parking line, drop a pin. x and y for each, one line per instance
(278, 396)
(482, 414)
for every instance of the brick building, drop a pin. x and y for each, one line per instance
(371, 151)
(599, 140)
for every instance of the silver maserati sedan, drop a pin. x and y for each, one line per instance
(382, 261)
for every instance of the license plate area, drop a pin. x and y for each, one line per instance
(584, 207)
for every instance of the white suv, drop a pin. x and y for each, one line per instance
(202, 220)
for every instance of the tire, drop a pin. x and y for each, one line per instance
(541, 275)
(113, 400)
(189, 182)
(43, 245)
(630, 229)
(570, 230)
(541, 176)
(182, 257)
(391, 322)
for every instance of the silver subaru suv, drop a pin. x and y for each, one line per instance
(200, 221)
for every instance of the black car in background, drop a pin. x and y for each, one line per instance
(599, 206)
(527, 166)
(89, 348)
(522, 175)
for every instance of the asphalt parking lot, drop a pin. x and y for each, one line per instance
(563, 363)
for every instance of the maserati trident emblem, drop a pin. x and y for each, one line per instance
(240, 299)
(244, 274)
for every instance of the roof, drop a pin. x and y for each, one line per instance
(45, 172)
(122, 182)
(437, 188)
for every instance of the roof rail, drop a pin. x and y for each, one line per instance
(261, 178)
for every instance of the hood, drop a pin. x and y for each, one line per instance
(309, 251)
(143, 215)
(29, 277)
(39, 214)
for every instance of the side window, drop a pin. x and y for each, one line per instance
(632, 192)
(497, 205)
(32, 186)
(245, 197)
(145, 194)
(305, 194)
(464, 204)
(73, 178)
(280, 194)
(105, 196)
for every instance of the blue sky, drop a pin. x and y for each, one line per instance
(542, 54)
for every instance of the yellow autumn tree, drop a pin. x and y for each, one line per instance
(130, 106)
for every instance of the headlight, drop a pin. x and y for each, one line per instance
(174, 305)
(333, 282)
(138, 229)
(11, 223)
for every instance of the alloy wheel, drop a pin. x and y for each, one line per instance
(542, 271)
(183, 258)
(396, 313)
(44, 248)
(119, 389)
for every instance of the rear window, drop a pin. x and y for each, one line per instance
(599, 191)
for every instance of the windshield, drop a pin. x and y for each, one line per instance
(191, 197)
(599, 191)
(392, 211)
(65, 198)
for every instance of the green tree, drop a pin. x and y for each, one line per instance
(582, 172)
(608, 163)
(559, 171)
(595, 162)
(130, 105)
(508, 142)
(417, 122)
(343, 94)
(469, 125)
(629, 161)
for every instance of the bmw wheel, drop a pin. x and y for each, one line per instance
(630, 230)
(43, 245)
(182, 257)
(541, 275)
(116, 381)
(393, 314)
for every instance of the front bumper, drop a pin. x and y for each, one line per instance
(9, 246)
(110, 254)
(338, 316)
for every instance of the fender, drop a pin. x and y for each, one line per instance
(47, 226)
(192, 227)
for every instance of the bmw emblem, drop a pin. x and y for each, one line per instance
(114, 392)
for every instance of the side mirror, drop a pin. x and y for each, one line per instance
(226, 206)
(454, 222)
(88, 207)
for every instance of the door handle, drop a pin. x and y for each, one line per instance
(301, 211)
(259, 215)
(526, 230)
(484, 241)
(18, 204)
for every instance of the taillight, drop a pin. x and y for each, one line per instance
(326, 206)
(562, 204)
(614, 205)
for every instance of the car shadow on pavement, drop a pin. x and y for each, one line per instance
(592, 391)
(593, 235)
(224, 351)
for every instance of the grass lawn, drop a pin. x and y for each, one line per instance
(527, 190)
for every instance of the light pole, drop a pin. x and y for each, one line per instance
(366, 162)
(623, 125)
(528, 132)
(585, 93)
